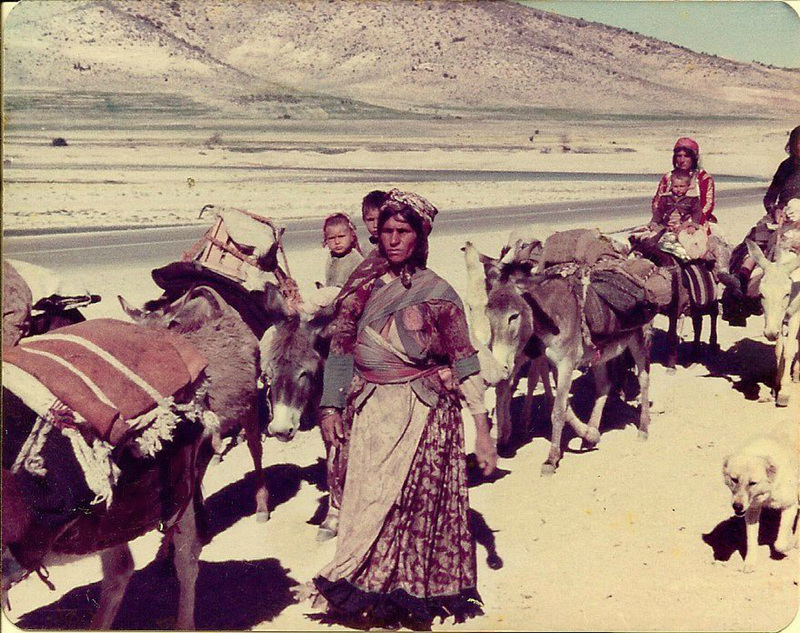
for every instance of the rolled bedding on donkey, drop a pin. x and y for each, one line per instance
(617, 293)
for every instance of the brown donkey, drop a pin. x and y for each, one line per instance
(545, 312)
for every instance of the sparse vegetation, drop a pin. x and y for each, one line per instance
(215, 140)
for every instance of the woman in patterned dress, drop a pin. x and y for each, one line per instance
(400, 368)
(686, 157)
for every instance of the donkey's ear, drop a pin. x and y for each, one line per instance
(134, 313)
(754, 250)
(201, 303)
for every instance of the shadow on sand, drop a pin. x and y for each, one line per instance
(618, 414)
(237, 500)
(747, 365)
(230, 595)
(729, 535)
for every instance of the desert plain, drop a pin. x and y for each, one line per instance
(630, 536)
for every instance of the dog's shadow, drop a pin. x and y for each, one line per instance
(729, 536)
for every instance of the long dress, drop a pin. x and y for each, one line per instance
(405, 553)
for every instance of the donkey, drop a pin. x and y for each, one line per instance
(682, 303)
(79, 538)
(204, 317)
(212, 327)
(515, 262)
(546, 313)
(293, 354)
(780, 300)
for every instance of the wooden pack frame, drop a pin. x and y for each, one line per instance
(217, 250)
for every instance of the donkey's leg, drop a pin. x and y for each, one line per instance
(559, 415)
(641, 357)
(527, 409)
(697, 326)
(217, 446)
(789, 348)
(253, 435)
(117, 565)
(187, 566)
(549, 397)
(672, 337)
(713, 315)
(504, 390)
(602, 384)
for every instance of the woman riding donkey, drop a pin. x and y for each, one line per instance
(400, 366)
(742, 299)
(682, 212)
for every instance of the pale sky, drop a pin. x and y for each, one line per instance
(765, 31)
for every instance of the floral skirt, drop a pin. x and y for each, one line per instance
(422, 563)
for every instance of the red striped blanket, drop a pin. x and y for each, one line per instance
(701, 284)
(108, 371)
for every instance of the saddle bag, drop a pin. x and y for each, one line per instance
(582, 246)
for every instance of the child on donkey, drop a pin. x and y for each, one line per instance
(676, 228)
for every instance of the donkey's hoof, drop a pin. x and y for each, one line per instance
(494, 561)
(642, 436)
(324, 534)
(548, 469)
(262, 517)
(782, 400)
(592, 436)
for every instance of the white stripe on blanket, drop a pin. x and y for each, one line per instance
(71, 368)
(114, 362)
(27, 388)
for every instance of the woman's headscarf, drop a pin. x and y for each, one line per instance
(396, 199)
(688, 145)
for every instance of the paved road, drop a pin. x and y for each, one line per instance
(160, 245)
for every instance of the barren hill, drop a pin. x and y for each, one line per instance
(402, 55)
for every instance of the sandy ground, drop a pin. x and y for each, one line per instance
(631, 536)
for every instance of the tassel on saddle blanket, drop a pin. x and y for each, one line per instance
(108, 372)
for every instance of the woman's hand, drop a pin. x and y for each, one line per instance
(332, 427)
(485, 450)
(486, 453)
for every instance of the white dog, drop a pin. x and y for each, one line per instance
(764, 473)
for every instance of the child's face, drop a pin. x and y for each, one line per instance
(338, 238)
(371, 220)
(679, 186)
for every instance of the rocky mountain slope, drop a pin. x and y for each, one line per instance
(401, 55)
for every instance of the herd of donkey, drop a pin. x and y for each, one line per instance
(578, 300)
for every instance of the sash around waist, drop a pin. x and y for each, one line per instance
(381, 364)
